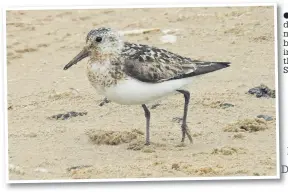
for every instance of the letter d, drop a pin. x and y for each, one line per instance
(284, 169)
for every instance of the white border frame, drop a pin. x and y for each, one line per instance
(144, 179)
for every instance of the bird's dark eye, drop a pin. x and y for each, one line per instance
(98, 39)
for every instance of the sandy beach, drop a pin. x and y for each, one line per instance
(107, 141)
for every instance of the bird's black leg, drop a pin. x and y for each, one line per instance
(184, 126)
(147, 115)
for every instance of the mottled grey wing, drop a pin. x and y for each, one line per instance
(150, 64)
(150, 72)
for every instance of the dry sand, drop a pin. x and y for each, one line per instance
(108, 141)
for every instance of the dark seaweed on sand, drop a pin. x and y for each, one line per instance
(64, 116)
(262, 91)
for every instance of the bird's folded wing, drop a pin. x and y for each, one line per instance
(154, 71)
(150, 64)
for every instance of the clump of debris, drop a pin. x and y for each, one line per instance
(262, 91)
(113, 137)
(68, 115)
(247, 125)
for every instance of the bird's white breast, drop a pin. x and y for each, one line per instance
(132, 91)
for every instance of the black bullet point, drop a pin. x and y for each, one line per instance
(286, 15)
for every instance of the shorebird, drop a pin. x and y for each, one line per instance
(135, 74)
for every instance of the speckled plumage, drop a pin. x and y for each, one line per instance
(108, 73)
(151, 64)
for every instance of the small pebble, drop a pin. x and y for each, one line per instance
(226, 105)
(155, 106)
(266, 117)
(177, 119)
(42, 170)
(168, 39)
(175, 166)
(105, 100)
(78, 167)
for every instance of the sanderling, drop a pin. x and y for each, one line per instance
(129, 74)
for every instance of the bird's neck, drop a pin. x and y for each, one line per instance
(102, 58)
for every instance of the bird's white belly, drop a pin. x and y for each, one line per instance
(131, 91)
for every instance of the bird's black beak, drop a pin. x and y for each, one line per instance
(83, 54)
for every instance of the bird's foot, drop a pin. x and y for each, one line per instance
(147, 143)
(185, 131)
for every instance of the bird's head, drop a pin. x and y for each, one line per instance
(100, 44)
